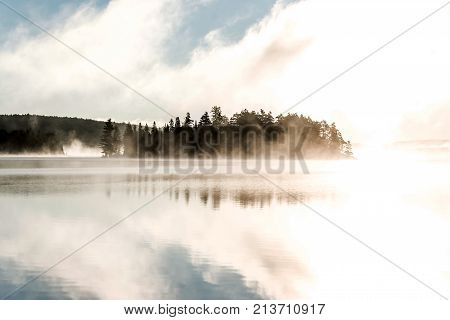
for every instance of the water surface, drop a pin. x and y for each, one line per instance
(222, 235)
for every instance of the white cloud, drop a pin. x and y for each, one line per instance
(291, 52)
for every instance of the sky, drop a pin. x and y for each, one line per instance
(189, 55)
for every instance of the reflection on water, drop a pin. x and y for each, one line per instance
(200, 188)
(221, 236)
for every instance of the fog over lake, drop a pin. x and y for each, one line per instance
(223, 234)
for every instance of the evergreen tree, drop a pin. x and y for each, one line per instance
(187, 120)
(166, 128)
(335, 140)
(128, 141)
(141, 140)
(154, 128)
(106, 142)
(171, 125)
(348, 150)
(154, 142)
(116, 141)
(324, 130)
(177, 122)
(218, 119)
(265, 119)
(135, 141)
(204, 120)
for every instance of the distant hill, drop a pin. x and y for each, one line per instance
(48, 134)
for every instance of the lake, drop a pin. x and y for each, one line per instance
(224, 234)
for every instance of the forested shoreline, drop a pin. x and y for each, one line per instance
(244, 134)
(36, 134)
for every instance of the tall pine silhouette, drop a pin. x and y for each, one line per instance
(106, 141)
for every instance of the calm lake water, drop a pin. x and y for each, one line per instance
(223, 235)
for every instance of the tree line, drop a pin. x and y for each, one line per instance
(29, 141)
(30, 133)
(246, 133)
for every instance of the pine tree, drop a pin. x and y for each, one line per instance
(135, 141)
(128, 141)
(335, 140)
(141, 140)
(265, 119)
(171, 125)
(177, 122)
(154, 141)
(348, 150)
(166, 128)
(204, 120)
(218, 119)
(324, 130)
(154, 128)
(188, 121)
(106, 142)
(116, 141)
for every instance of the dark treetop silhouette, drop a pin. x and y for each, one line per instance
(44, 134)
(245, 134)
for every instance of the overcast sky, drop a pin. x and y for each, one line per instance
(188, 55)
